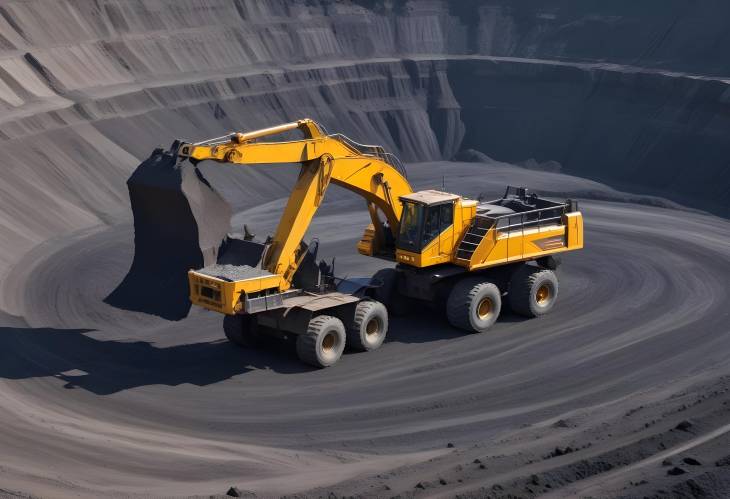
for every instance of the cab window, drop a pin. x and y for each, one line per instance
(422, 224)
(446, 216)
(409, 237)
(431, 229)
(438, 219)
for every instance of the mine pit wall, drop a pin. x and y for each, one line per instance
(641, 131)
(67, 169)
(89, 88)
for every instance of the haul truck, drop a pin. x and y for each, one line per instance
(448, 249)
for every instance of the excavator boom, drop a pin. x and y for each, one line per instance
(324, 159)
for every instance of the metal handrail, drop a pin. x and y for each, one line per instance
(557, 206)
(352, 143)
(526, 223)
(395, 162)
(529, 222)
(372, 150)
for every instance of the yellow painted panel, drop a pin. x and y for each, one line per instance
(257, 284)
(486, 247)
(574, 230)
(229, 291)
(446, 244)
(499, 249)
(408, 257)
(518, 246)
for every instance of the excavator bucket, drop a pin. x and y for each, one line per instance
(180, 223)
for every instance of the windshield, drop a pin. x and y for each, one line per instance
(421, 224)
(409, 237)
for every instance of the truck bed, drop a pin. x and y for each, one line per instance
(233, 273)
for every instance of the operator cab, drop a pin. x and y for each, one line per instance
(426, 214)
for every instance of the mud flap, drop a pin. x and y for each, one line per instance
(180, 222)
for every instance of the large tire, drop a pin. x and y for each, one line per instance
(323, 343)
(368, 328)
(473, 305)
(387, 293)
(241, 330)
(533, 291)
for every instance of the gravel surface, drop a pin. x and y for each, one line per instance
(233, 272)
(639, 331)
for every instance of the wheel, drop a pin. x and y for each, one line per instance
(473, 305)
(388, 294)
(369, 326)
(533, 291)
(241, 330)
(323, 343)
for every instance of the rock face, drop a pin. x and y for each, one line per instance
(664, 135)
(619, 91)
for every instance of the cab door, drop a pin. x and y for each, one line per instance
(446, 227)
(438, 234)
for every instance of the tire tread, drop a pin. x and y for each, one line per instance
(520, 289)
(307, 342)
(363, 309)
(458, 305)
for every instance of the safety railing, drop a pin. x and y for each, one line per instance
(541, 217)
(372, 150)
(515, 224)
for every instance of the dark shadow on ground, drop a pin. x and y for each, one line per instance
(105, 367)
(507, 317)
(422, 327)
(108, 366)
(430, 324)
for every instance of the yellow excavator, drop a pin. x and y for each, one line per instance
(449, 250)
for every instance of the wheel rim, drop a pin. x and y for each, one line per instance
(328, 343)
(484, 309)
(543, 294)
(372, 328)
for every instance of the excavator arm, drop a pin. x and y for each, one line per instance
(324, 159)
